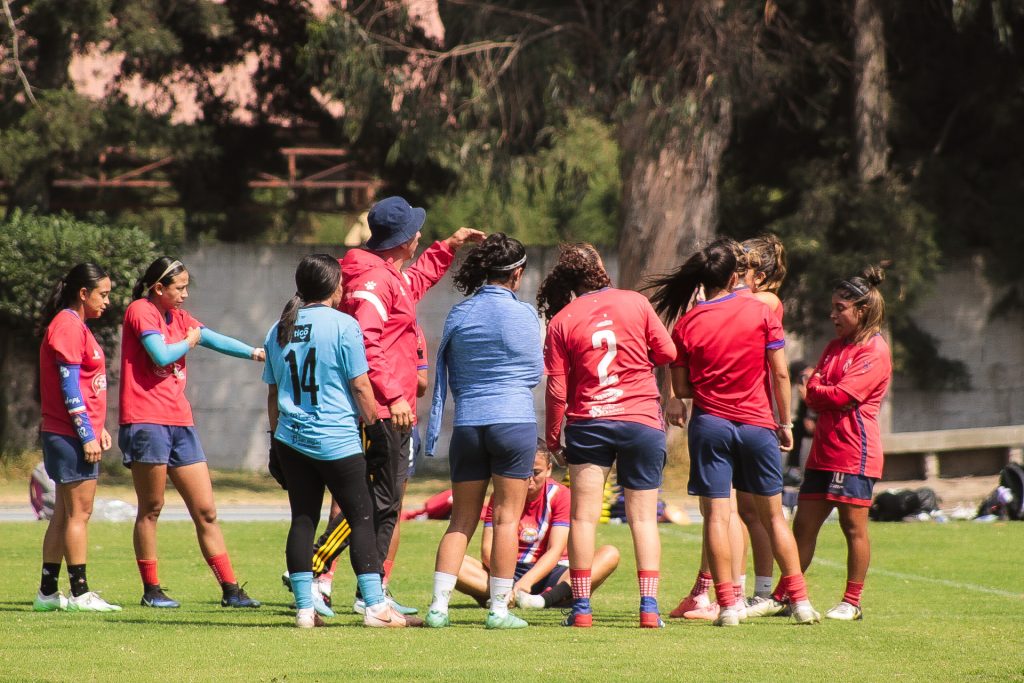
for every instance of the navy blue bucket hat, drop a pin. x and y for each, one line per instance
(393, 222)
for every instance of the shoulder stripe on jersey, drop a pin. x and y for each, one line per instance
(374, 300)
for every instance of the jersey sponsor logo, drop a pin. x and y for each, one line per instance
(604, 323)
(64, 372)
(168, 370)
(371, 285)
(72, 401)
(96, 355)
(99, 384)
(301, 333)
(606, 411)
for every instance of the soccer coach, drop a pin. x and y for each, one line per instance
(382, 298)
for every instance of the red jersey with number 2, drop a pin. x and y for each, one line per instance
(150, 393)
(606, 343)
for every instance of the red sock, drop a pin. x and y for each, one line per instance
(779, 594)
(221, 566)
(725, 594)
(147, 569)
(796, 587)
(737, 591)
(702, 584)
(388, 565)
(580, 579)
(648, 583)
(853, 591)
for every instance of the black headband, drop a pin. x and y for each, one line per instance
(859, 291)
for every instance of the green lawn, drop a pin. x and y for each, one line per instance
(944, 603)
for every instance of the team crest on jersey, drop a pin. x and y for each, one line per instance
(96, 354)
(99, 384)
(300, 334)
(529, 534)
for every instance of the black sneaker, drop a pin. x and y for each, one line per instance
(235, 596)
(155, 597)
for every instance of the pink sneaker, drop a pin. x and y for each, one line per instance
(708, 613)
(689, 604)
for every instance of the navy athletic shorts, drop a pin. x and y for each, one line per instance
(724, 453)
(505, 450)
(152, 444)
(838, 487)
(549, 581)
(64, 459)
(639, 450)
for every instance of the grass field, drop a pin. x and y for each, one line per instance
(943, 603)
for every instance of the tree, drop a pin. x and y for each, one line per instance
(35, 252)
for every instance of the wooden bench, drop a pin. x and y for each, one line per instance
(951, 452)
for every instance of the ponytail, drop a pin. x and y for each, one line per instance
(579, 270)
(65, 292)
(713, 266)
(495, 259)
(316, 279)
(767, 256)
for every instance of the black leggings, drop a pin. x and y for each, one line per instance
(346, 480)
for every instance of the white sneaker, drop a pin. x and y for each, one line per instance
(91, 602)
(50, 603)
(526, 600)
(308, 618)
(729, 616)
(804, 613)
(324, 585)
(383, 616)
(844, 611)
(764, 607)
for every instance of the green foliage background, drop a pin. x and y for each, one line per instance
(36, 251)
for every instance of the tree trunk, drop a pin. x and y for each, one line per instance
(19, 393)
(669, 191)
(871, 103)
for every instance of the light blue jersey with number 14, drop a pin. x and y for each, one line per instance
(312, 374)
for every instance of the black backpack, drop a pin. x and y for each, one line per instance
(894, 505)
(1012, 478)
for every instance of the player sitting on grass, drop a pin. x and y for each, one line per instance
(542, 563)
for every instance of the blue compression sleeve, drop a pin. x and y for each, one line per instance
(224, 344)
(161, 353)
(74, 402)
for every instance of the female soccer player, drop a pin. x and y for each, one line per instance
(316, 369)
(601, 349)
(846, 390)
(158, 437)
(490, 357)
(542, 564)
(73, 389)
(722, 343)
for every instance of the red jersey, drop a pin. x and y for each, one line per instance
(604, 345)
(149, 393)
(847, 437)
(549, 509)
(69, 341)
(723, 344)
(383, 300)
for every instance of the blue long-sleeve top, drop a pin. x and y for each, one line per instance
(165, 354)
(490, 355)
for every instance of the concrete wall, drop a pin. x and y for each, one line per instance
(240, 290)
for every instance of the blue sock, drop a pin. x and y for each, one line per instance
(648, 604)
(302, 585)
(581, 605)
(370, 587)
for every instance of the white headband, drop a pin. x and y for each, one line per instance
(502, 269)
(174, 264)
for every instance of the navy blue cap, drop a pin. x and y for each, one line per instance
(393, 222)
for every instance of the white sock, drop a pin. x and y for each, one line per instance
(500, 589)
(763, 586)
(743, 583)
(444, 584)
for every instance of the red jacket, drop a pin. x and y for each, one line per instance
(383, 300)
